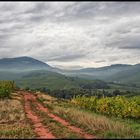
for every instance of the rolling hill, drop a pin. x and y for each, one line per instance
(30, 70)
(22, 64)
(131, 75)
(52, 80)
(98, 73)
(119, 73)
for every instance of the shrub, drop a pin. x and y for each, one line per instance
(119, 106)
(6, 87)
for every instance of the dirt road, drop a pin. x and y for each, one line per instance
(41, 130)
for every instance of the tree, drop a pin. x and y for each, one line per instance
(116, 92)
(27, 88)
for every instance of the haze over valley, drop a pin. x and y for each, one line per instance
(21, 67)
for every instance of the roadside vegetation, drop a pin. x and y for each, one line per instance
(118, 106)
(93, 111)
(104, 126)
(6, 87)
(13, 123)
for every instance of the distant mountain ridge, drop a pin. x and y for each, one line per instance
(22, 64)
(114, 66)
(98, 72)
(15, 68)
(29, 62)
(120, 73)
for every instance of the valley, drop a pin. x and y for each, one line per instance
(50, 104)
(29, 72)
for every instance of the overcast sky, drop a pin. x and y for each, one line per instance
(71, 34)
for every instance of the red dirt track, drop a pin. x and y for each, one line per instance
(39, 128)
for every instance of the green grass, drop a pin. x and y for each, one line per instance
(13, 123)
(97, 123)
(124, 87)
(57, 129)
(131, 75)
(93, 123)
(51, 80)
(17, 132)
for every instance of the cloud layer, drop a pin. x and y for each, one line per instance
(71, 34)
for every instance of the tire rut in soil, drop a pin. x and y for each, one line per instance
(36, 121)
(38, 127)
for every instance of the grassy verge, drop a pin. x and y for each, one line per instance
(57, 129)
(102, 126)
(15, 131)
(13, 123)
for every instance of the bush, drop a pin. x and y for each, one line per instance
(6, 87)
(119, 106)
(27, 88)
(4, 93)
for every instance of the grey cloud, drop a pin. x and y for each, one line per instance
(131, 47)
(37, 18)
(100, 61)
(7, 6)
(113, 58)
(12, 28)
(129, 42)
(90, 30)
(80, 10)
(38, 8)
(67, 58)
(70, 67)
